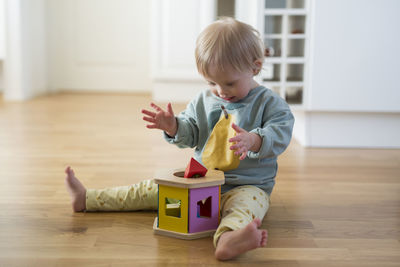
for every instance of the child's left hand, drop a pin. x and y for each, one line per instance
(245, 142)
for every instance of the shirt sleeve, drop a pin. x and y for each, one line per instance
(276, 131)
(187, 134)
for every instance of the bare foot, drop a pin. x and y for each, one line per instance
(234, 243)
(76, 190)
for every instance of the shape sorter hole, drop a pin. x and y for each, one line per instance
(173, 207)
(179, 174)
(204, 208)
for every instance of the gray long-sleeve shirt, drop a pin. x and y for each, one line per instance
(261, 111)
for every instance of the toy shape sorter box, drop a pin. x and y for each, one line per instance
(188, 208)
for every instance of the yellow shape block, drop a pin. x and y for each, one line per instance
(167, 212)
(217, 153)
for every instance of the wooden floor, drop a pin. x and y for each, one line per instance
(330, 207)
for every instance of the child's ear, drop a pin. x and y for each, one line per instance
(257, 66)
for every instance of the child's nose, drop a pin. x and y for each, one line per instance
(221, 92)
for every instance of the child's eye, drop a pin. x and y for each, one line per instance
(229, 84)
(210, 83)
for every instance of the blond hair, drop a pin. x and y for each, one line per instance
(228, 42)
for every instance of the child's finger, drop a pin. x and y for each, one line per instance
(242, 155)
(151, 126)
(237, 128)
(149, 113)
(155, 107)
(240, 150)
(149, 119)
(243, 149)
(239, 145)
(234, 139)
(169, 109)
(234, 147)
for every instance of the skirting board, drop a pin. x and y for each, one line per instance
(185, 236)
(347, 129)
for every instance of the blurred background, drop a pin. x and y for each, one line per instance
(334, 62)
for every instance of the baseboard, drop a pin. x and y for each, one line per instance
(347, 129)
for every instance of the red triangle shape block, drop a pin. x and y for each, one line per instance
(194, 168)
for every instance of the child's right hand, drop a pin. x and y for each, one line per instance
(160, 119)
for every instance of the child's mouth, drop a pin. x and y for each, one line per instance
(228, 98)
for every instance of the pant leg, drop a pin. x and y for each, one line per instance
(239, 207)
(140, 196)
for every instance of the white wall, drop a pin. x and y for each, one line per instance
(99, 45)
(34, 13)
(2, 29)
(355, 56)
(25, 62)
(2, 42)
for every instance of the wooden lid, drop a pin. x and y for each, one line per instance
(175, 178)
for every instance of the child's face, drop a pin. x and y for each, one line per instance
(230, 84)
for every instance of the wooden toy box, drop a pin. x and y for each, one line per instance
(188, 208)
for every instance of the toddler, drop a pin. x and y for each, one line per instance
(228, 54)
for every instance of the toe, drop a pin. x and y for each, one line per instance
(264, 238)
(263, 243)
(264, 233)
